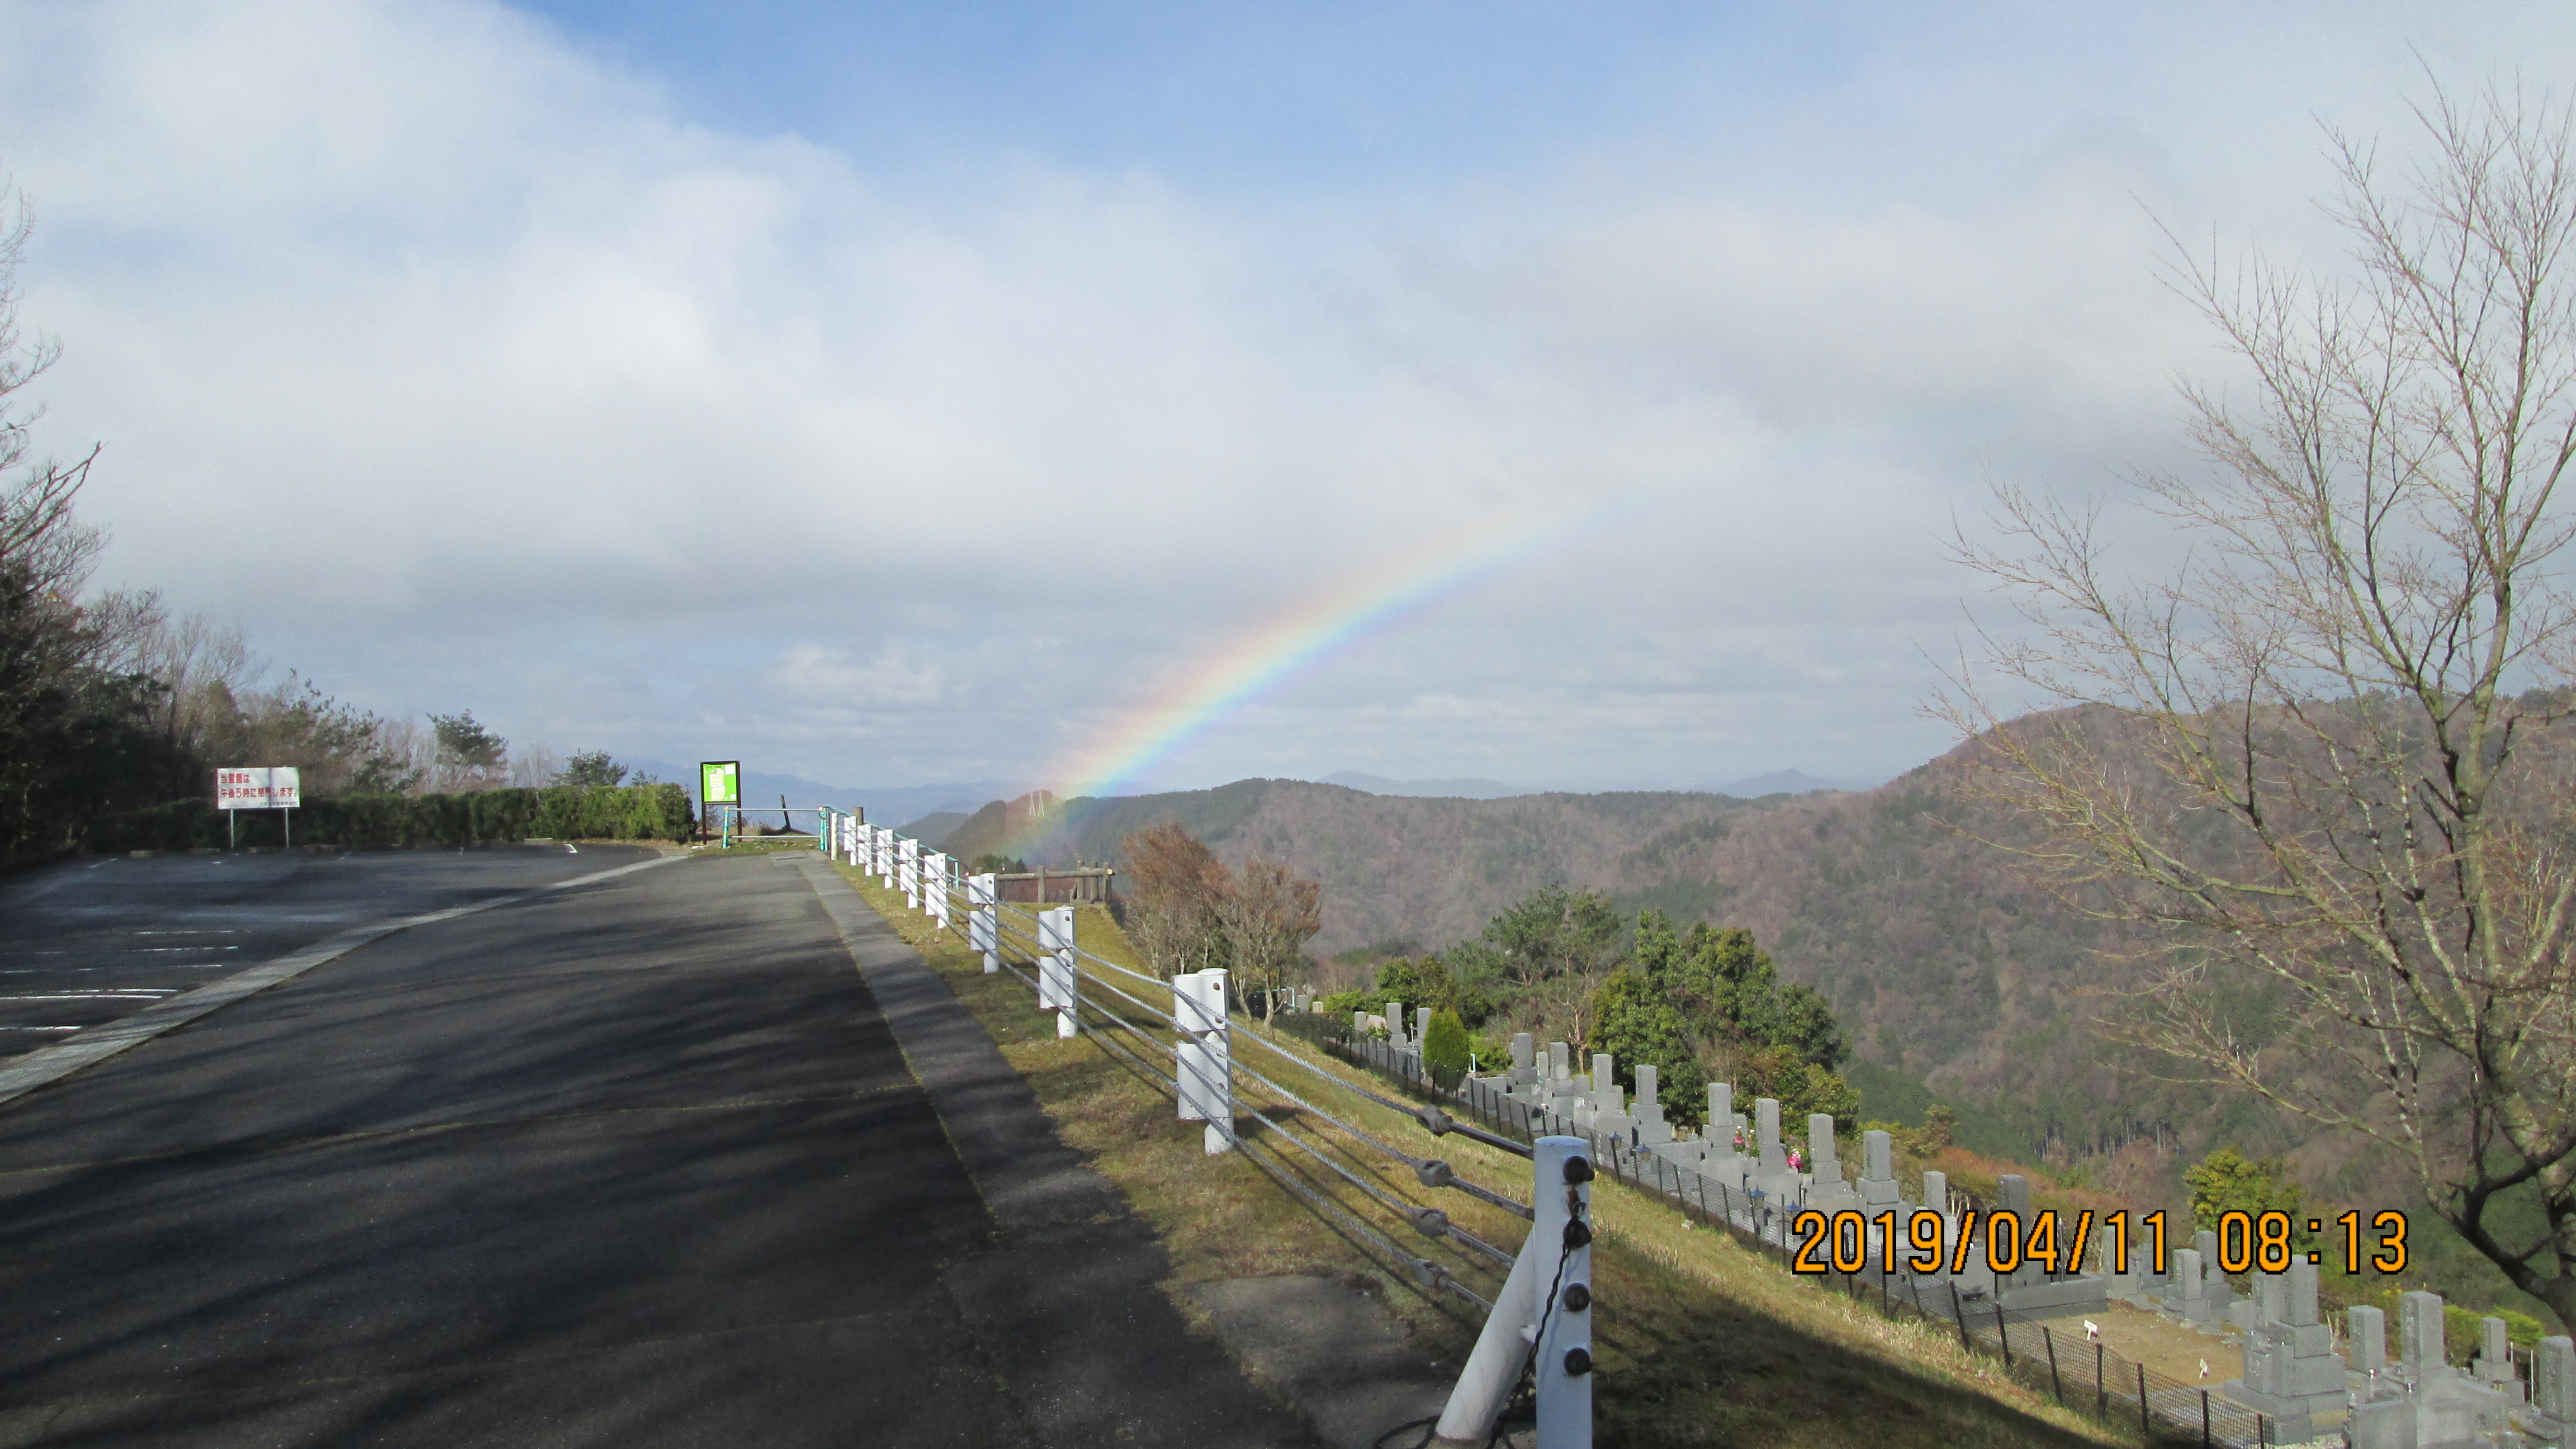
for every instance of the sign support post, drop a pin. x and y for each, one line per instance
(286, 791)
(259, 787)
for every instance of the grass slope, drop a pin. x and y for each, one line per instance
(1702, 1341)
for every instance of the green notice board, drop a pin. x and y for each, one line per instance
(720, 782)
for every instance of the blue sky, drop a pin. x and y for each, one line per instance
(892, 394)
(1259, 100)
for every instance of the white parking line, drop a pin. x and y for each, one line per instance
(113, 993)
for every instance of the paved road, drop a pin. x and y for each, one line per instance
(634, 1163)
(89, 941)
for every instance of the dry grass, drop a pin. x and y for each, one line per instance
(1702, 1341)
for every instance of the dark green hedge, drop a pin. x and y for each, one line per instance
(560, 812)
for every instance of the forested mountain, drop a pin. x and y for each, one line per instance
(1950, 974)
(1425, 869)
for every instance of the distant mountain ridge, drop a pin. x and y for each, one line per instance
(1780, 782)
(1426, 789)
(1751, 787)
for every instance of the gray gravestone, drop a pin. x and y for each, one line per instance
(1820, 1148)
(1648, 1113)
(1878, 1170)
(2494, 1365)
(2553, 1380)
(2367, 1330)
(2419, 1335)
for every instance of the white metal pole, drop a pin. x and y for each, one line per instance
(935, 887)
(1068, 1022)
(1494, 1366)
(1205, 1057)
(983, 930)
(1563, 1229)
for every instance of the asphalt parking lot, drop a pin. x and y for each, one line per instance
(88, 941)
(632, 1163)
(636, 1161)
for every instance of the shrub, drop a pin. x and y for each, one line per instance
(1343, 1003)
(559, 812)
(1445, 1044)
(2229, 1181)
(2461, 1333)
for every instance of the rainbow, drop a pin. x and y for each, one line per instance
(1365, 602)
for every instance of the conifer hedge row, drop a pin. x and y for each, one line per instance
(557, 812)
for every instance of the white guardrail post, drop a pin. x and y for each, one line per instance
(934, 887)
(1204, 1056)
(907, 869)
(1058, 988)
(1563, 1203)
(983, 931)
(1545, 1304)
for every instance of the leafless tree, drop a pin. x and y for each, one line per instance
(1176, 885)
(2326, 761)
(37, 530)
(204, 665)
(1269, 916)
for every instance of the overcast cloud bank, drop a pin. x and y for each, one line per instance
(471, 368)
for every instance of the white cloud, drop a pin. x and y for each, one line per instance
(622, 429)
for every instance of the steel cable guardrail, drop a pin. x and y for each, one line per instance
(1017, 927)
(2076, 1371)
(1425, 1272)
(1433, 1172)
(1412, 1212)
(1429, 1221)
(1085, 990)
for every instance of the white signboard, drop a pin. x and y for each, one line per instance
(259, 788)
(241, 789)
